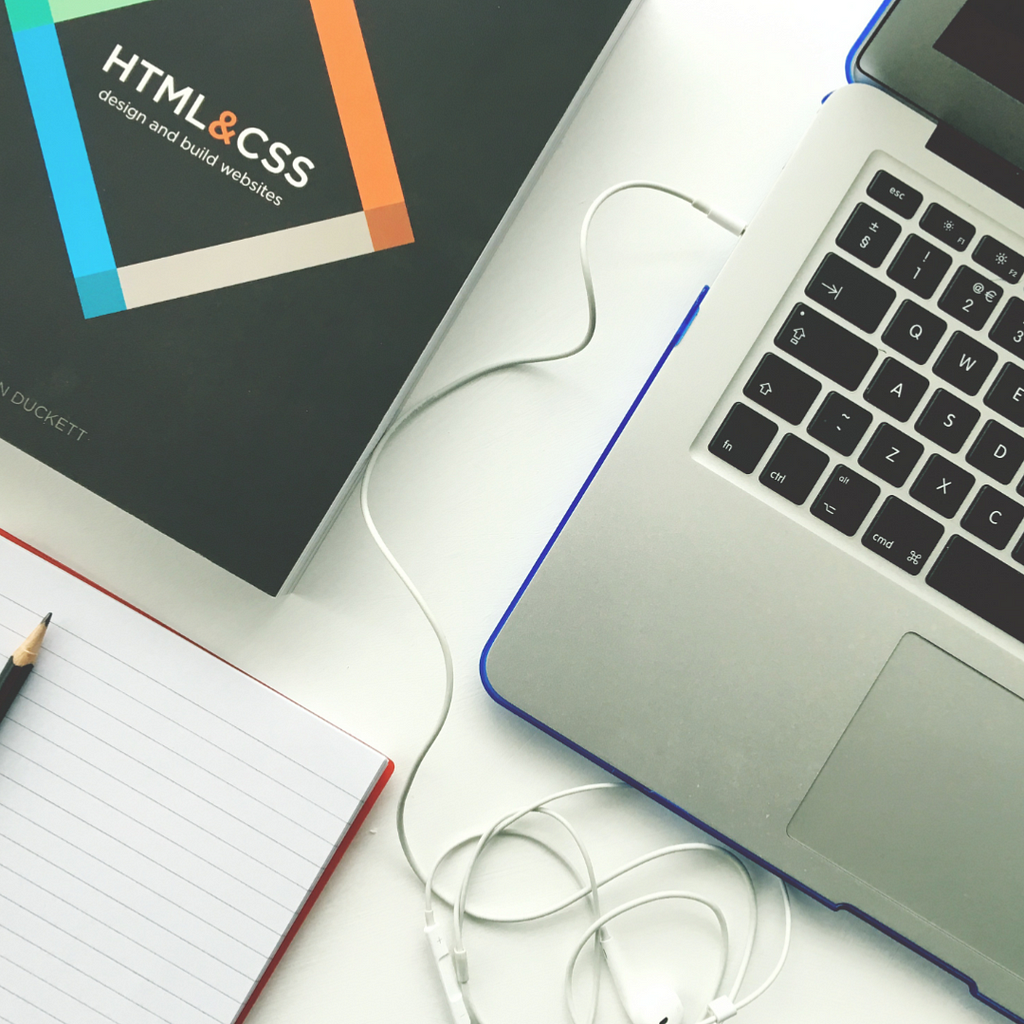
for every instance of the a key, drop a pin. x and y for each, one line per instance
(896, 389)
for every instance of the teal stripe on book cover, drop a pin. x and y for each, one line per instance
(28, 14)
(67, 162)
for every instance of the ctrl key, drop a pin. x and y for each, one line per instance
(902, 535)
(743, 438)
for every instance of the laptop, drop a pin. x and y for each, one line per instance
(788, 602)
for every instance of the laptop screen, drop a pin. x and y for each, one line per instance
(987, 37)
(958, 61)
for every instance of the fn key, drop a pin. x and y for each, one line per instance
(743, 438)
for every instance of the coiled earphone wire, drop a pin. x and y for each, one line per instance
(452, 964)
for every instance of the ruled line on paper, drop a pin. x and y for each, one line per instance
(98, 952)
(157, 838)
(134, 910)
(221, 721)
(139, 853)
(191, 852)
(50, 985)
(142, 885)
(105, 924)
(220, 718)
(157, 803)
(227, 782)
(28, 1002)
(167, 778)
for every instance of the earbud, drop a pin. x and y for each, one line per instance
(644, 1003)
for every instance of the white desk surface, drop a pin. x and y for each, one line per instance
(711, 96)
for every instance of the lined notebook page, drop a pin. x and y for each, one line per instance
(163, 817)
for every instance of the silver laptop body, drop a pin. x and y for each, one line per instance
(789, 602)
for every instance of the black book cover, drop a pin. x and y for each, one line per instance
(229, 228)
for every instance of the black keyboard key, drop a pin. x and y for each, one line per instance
(743, 438)
(1000, 259)
(947, 420)
(839, 423)
(942, 486)
(920, 266)
(965, 363)
(982, 584)
(902, 535)
(1006, 395)
(914, 331)
(782, 389)
(1017, 554)
(1008, 330)
(993, 517)
(997, 452)
(825, 346)
(891, 454)
(850, 293)
(845, 500)
(946, 226)
(868, 235)
(794, 469)
(894, 194)
(970, 297)
(896, 389)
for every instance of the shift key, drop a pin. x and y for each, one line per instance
(850, 293)
(825, 346)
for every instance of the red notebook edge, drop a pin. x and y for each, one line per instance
(316, 890)
(350, 832)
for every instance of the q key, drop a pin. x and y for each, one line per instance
(914, 332)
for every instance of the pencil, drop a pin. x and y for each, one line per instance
(19, 665)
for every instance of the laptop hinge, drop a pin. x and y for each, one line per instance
(974, 159)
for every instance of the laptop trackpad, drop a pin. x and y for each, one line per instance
(922, 799)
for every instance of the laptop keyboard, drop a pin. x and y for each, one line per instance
(888, 403)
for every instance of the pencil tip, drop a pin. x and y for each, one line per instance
(46, 621)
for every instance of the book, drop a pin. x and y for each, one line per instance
(230, 233)
(165, 820)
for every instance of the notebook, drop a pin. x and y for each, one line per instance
(787, 600)
(165, 820)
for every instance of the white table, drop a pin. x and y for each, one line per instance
(708, 95)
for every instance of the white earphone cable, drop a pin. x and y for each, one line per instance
(454, 965)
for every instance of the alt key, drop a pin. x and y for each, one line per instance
(845, 500)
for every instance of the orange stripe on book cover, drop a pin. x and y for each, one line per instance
(362, 121)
